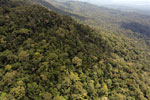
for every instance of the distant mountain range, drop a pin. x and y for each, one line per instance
(142, 9)
(99, 16)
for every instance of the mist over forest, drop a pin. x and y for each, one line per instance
(139, 6)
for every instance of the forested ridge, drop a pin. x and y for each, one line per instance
(131, 24)
(47, 56)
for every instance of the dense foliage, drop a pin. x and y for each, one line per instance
(46, 56)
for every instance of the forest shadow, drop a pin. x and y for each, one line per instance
(136, 27)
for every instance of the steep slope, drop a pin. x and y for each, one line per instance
(46, 56)
(63, 12)
(108, 19)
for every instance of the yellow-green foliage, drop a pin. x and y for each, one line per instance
(77, 61)
(8, 67)
(47, 56)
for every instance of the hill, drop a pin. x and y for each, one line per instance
(54, 8)
(108, 19)
(47, 56)
(142, 9)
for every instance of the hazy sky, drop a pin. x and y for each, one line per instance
(132, 2)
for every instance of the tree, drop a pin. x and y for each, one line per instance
(59, 98)
(18, 92)
(77, 61)
(104, 89)
(23, 55)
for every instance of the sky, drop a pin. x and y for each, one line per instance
(126, 2)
